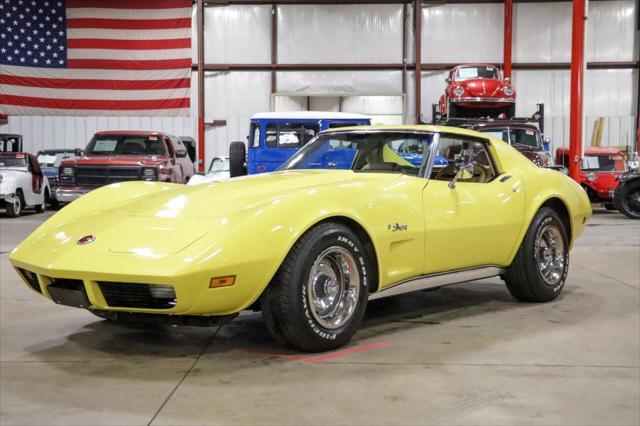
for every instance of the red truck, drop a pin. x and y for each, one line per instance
(601, 167)
(117, 156)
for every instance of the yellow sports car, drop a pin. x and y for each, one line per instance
(308, 245)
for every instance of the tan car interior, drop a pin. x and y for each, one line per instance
(483, 170)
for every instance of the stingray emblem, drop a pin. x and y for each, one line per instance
(87, 239)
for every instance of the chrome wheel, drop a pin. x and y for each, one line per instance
(550, 254)
(17, 205)
(333, 287)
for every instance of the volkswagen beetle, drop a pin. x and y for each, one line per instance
(309, 247)
(477, 90)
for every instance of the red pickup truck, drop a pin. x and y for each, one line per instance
(117, 156)
(601, 167)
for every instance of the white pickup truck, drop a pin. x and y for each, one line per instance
(22, 183)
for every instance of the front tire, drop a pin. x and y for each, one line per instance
(628, 200)
(14, 208)
(539, 270)
(318, 297)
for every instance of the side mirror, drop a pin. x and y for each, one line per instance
(464, 164)
(546, 144)
(447, 80)
(181, 153)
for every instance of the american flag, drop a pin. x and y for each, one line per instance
(95, 57)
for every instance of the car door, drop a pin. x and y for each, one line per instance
(176, 170)
(478, 221)
(36, 174)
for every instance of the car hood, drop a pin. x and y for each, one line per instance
(167, 221)
(116, 160)
(482, 87)
(225, 197)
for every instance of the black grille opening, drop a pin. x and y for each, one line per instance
(66, 284)
(102, 175)
(31, 278)
(135, 295)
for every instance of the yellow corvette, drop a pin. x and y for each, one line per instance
(421, 207)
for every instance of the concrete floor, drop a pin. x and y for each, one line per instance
(466, 354)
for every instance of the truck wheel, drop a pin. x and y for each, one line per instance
(14, 208)
(539, 270)
(318, 297)
(628, 200)
(237, 159)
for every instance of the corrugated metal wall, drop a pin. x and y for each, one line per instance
(373, 33)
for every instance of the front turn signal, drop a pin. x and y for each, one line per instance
(226, 281)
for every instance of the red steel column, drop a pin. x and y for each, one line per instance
(417, 51)
(200, 35)
(577, 86)
(508, 25)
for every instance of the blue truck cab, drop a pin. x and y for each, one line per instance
(275, 136)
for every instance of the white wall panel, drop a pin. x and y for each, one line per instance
(340, 34)
(235, 97)
(356, 82)
(462, 32)
(612, 31)
(541, 32)
(75, 132)
(237, 34)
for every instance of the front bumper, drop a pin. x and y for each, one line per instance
(9, 197)
(69, 195)
(484, 100)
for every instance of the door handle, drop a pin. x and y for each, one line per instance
(332, 165)
(505, 178)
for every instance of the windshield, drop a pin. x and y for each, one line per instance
(526, 138)
(600, 163)
(13, 161)
(219, 165)
(467, 73)
(377, 151)
(126, 145)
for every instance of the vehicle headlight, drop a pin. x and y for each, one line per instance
(591, 177)
(66, 171)
(508, 90)
(458, 91)
(149, 173)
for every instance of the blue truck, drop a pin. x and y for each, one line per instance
(275, 136)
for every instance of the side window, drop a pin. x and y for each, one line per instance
(170, 150)
(254, 135)
(450, 147)
(271, 135)
(290, 135)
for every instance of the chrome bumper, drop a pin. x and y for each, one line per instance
(487, 100)
(69, 195)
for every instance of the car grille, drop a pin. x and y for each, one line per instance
(135, 295)
(104, 175)
(53, 183)
(31, 278)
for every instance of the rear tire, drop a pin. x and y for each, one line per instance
(539, 270)
(318, 297)
(628, 200)
(237, 159)
(14, 208)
